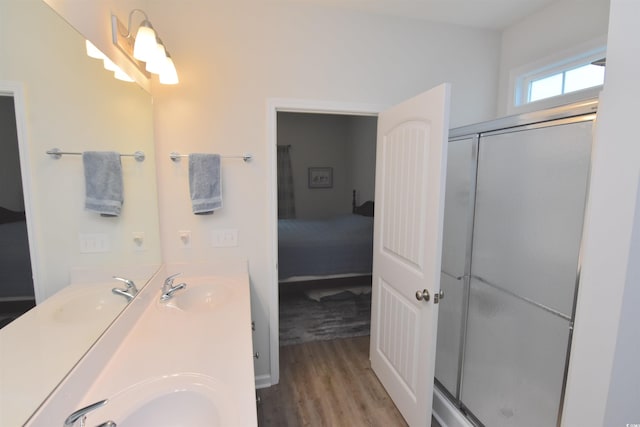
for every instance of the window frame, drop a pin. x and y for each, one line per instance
(565, 61)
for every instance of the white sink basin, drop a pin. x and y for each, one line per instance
(172, 401)
(198, 297)
(86, 302)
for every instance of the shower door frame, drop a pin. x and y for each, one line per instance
(564, 115)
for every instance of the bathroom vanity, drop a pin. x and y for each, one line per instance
(186, 360)
(40, 347)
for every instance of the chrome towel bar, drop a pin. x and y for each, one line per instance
(56, 154)
(175, 156)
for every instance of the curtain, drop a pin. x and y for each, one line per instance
(286, 200)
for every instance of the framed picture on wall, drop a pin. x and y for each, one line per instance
(320, 177)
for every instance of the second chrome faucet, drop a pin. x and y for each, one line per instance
(129, 292)
(168, 288)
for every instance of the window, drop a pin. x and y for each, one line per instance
(559, 80)
(579, 78)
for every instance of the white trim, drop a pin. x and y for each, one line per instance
(569, 58)
(446, 413)
(263, 381)
(274, 105)
(15, 90)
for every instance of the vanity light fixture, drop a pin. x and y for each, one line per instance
(110, 65)
(94, 52)
(156, 61)
(169, 76)
(145, 48)
(145, 41)
(121, 75)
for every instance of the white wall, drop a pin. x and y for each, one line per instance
(362, 155)
(73, 104)
(624, 393)
(233, 57)
(604, 373)
(11, 188)
(346, 143)
(317, 140)
(562, 26)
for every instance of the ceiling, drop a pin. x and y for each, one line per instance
(489, 14)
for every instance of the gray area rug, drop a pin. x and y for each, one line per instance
(338, 316)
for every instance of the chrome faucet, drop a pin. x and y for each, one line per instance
(81, 414)
(168, 289)
(129, 292)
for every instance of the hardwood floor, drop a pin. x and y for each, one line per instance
(327, 383)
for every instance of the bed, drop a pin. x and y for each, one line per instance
(15, 263)
(325, 249)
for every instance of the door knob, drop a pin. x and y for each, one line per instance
(438, 296)
(423, 295)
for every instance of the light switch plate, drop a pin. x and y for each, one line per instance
(224, 238)
(91, 243)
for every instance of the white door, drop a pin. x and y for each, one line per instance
(410, 178)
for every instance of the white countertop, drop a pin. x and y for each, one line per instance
(39, 348)
(213, 341)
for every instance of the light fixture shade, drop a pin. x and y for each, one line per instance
(157, 62)
(121, 75)
(145, 44)
(109, 65)
(169, 75)
(92, 51)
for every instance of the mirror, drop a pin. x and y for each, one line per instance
(64, 99)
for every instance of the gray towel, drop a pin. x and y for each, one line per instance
(205, 183)
(103, 182)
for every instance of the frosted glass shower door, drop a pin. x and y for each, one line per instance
(458, 217)
(530, 200)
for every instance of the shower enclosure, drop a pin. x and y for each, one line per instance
(514, 209)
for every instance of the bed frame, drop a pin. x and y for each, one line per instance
(365, 209)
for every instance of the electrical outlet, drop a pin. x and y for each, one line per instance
(224, 238)
(91, 243)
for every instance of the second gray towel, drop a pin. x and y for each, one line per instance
(103, 182)
(205, 182)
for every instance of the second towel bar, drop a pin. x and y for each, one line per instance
(175, 156)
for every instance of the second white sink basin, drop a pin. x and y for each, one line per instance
(82, 303)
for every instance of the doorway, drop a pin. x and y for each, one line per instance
(411, 141)
(275, 107)
(17, 293)
(326, 178)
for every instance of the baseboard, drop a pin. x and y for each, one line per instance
(446, 413)
(263, 381)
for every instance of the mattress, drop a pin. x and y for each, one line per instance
(336, 246)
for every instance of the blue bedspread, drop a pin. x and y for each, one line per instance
(340, 245)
